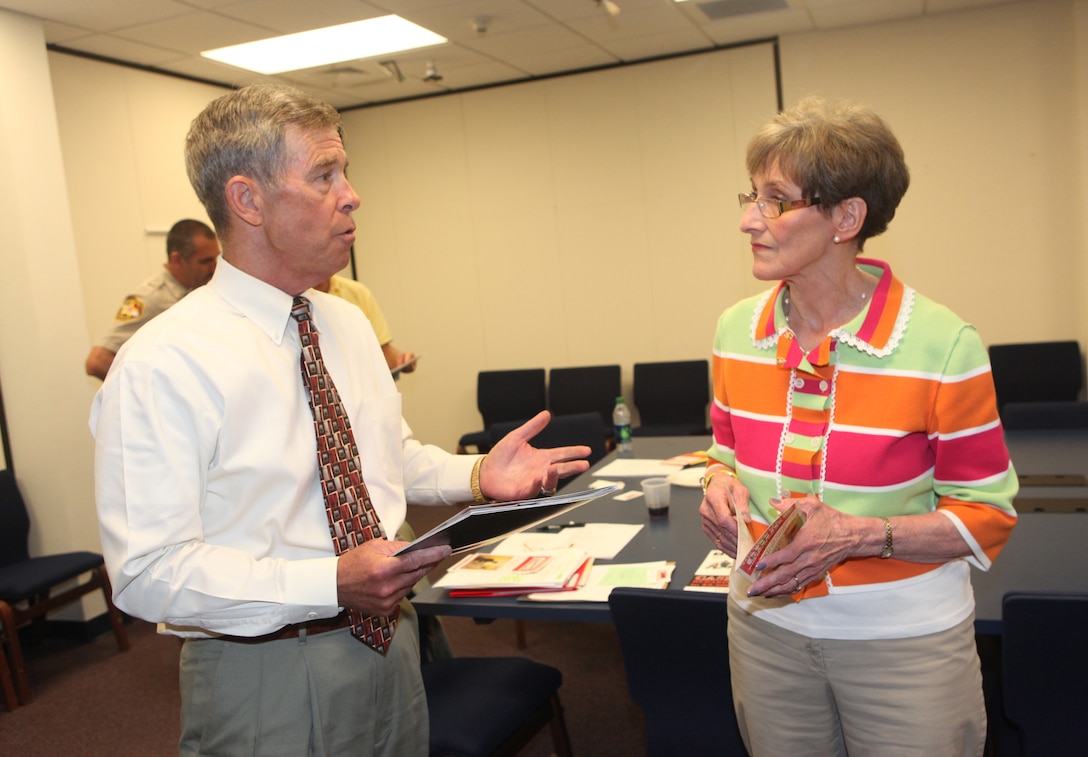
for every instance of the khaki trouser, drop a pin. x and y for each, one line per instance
(884, 698)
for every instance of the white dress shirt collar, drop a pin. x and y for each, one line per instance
(268, 307)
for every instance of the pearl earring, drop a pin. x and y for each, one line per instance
(836, 239)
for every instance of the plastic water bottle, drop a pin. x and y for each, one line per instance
(621, 420)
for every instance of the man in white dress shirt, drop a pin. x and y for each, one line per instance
(208, 492)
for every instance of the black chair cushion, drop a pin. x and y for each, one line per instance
(38, 574)
(585, 389)
(672, 397)
(482, 440)
(1036, 371)
(1029, 415)
(14, 521)
(683, 686)
(563, 431)
(477, 703)
(1045, 669)
(510, 395)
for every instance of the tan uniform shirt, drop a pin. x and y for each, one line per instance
(149, 299)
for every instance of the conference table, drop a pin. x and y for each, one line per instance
(1046, 551)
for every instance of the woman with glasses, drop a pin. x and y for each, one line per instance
(846, 392)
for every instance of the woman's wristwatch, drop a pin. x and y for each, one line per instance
(887, 551)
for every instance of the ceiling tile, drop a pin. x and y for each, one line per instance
(118, 48)
(523, 38)
(290, 16)
(98, 15)
(195, 32)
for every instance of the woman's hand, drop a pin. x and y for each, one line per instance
(827, 539)
(830, 537)
(725, 496)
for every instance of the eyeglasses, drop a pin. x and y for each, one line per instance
(774, 208)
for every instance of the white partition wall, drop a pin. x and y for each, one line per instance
(41, 306)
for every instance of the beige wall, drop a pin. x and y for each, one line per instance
(566, 222)
(494, 221)
(123, 133)
(989, 106)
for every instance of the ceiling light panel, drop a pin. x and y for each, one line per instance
(360, 39)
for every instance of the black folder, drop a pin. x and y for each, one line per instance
(478, 525)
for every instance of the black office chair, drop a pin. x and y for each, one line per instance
(1045, 667)
(11, 701)
(565, 430)
(1038, 415)
(503, 396)
(585, 389)
(483, 706)
(1036, 372)
(672, 398)
(676, 656)
(26, 582)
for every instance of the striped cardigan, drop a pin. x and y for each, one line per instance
(894, 414)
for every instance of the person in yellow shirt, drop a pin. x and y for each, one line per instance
(358, 294)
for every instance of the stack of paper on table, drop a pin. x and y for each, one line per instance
(502, 575)
(682, 470)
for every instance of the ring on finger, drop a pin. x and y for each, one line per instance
(547, 492)
(797, 582)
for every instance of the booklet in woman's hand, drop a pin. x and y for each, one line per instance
(478, 525)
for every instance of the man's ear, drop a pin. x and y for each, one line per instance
(849, 216)
(244, 199)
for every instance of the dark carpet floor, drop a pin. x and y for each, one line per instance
(91, 700)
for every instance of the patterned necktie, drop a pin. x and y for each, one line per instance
(352, 519)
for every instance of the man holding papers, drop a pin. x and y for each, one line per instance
(241, 436)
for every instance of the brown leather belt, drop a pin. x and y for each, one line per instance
(292, 631)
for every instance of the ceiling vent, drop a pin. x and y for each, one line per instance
(716, 10)
(342, 75)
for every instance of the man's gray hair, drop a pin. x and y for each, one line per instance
(243, 133)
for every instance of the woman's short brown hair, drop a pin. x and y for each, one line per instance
(835, 151)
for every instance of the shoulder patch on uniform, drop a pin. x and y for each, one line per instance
(131, 309)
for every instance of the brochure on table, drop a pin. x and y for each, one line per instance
(713, 574)
(684, 470)
(495, 574)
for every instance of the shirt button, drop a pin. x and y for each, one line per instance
(799, 383)
(311, 616)
(823, 386)
(790, 438)
(816, 442)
